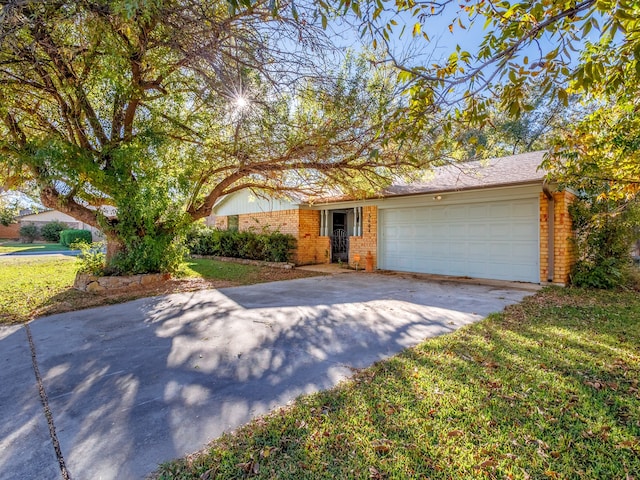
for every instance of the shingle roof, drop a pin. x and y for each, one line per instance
(494, 172)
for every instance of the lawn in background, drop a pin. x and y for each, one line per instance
(32, 286)
(546, 390)
(11, 247)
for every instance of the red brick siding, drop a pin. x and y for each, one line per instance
(563, 248)
(11, 232)
(368, 242)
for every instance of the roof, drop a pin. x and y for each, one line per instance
(495, 172)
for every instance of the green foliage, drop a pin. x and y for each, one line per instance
(31, 285)
(601, 152)
(91, 258)
(270, 247)
(72, 235)
(604, 233)
(8, 212)
(28, 233)
(117, 104)
(148, 254)
(51, 231)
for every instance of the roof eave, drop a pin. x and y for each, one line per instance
(431, 192)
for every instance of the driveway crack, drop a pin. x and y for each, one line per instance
(45, 405)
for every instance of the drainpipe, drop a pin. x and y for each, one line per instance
(550, 232)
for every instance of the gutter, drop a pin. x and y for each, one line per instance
(550, 231)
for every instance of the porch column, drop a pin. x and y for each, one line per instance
(355, 221)
(324, 223)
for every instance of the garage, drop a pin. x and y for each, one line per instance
(484, 239)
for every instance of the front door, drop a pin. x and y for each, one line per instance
(339, 238)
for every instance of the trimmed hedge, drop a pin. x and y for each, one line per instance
(67, 237)
(268, 247)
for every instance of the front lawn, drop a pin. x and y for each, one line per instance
(10, 247)
(35, 286)
(546, 390)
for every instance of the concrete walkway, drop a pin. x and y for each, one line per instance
(129, 386)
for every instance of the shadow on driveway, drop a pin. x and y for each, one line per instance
(137, 384)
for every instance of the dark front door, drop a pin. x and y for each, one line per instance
(339, 238)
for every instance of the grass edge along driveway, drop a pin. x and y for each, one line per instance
(35, 286)
(546, 389)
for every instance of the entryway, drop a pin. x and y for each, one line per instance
(339, 237)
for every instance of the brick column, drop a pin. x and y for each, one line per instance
(368, 242)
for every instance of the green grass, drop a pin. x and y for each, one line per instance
(546, 390)
(35, 286)
(28, 284)
(10, 247)
(215, 270)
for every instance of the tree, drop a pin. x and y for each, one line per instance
(159, 108)
(518, 44)
(532, 130)
(8, 212)
(588, 47)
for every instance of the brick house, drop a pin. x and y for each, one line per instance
(496, 219)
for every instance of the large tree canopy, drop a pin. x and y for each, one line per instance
(158, 108)
(491, 54)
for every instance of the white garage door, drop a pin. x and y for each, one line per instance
(497, 240)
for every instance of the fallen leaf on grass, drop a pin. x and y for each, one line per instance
(455, 433)
(630, 444)
(381, 446)
(491, 365)
(375, 474)
(487, 464)
(251, 467)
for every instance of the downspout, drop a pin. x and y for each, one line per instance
(550, 231)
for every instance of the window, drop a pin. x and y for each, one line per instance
(233, 223)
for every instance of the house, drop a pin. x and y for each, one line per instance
(43, 217)
(496, 219)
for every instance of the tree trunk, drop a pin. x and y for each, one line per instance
(114, 247)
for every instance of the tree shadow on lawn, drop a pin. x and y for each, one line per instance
(547, 392)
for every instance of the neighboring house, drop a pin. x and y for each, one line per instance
(10, 232)
(496, 219)
(43, 217)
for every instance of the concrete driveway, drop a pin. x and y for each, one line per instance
(111, 392)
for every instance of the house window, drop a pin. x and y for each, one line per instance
(233, 223)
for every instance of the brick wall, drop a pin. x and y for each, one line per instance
(563, 248)
(222, 223)
(283, 221)
(12, 232)
(312, 248)
(544, 238)
(304, 225)
(368, 242)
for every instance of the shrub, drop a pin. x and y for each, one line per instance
(91, 258)
(28, 233)
(605, 231)
(51, 231)
(67, 237)
(158, 254)
(270, 247)
(279, 246)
